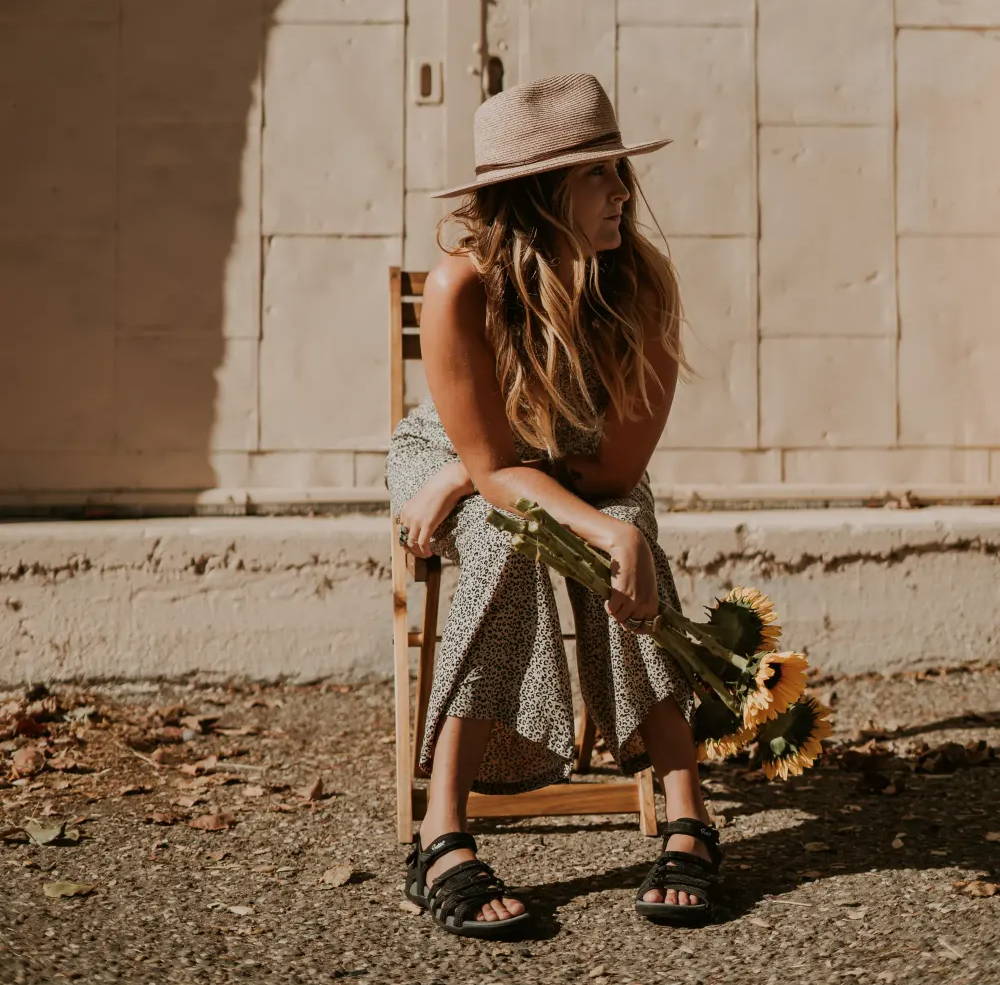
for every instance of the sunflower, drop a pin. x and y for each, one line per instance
(744, 621)
(718, 733)
(790, 743)
(778, 680)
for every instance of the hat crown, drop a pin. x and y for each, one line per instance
(540, 118)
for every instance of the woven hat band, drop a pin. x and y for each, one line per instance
(610, 140)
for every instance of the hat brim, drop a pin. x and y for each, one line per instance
(551, 164)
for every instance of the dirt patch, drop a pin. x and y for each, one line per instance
(223, 831)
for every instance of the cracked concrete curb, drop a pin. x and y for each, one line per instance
(310, 597)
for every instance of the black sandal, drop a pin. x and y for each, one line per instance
(470, 884)
(683, 871)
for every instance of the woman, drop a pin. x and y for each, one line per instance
(550, 342)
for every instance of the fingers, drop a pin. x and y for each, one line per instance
(627, 609)
(417, 542)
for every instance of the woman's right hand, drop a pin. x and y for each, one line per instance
(424, 512)
(633, 577)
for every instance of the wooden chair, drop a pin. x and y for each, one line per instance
(612, 797)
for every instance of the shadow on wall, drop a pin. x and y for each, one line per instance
(130, 241)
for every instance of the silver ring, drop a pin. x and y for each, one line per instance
(636, 624)
(404, 532)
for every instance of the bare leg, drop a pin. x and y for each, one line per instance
(668, 738)
(457, 755)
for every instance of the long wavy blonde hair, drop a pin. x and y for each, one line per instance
(538, 330)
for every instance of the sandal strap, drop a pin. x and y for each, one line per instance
(469, 885)
(443, 843)
(690, 873)
(707, 834)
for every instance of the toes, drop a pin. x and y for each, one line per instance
(653, 896)
(682, 898)
(499, 909)
(488, 913)
(514, 907)
(671, 896)
(694, 899)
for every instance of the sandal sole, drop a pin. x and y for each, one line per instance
(683, 913)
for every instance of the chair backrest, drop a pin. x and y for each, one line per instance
(406, 289)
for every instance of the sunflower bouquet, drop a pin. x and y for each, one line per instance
(748, 690)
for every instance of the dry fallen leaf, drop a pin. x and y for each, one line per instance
(338, 875)
(977, 887)
(314, 791)
(162, 817)
(27, 761)
(63, 888)
(212, 822)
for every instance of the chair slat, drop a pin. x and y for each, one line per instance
(411, 345)
(412, 282)
(411, 313)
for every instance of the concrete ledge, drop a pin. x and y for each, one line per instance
(339, 500)
(310, 597)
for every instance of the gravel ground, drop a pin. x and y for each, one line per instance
(879, 865)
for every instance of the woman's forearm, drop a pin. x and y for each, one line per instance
(505, 486)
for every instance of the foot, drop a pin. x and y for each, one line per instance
(495, 909)
(679, 843)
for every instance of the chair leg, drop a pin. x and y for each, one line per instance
(401, 677)
(585, 733)
(647, 802)
(425, 665)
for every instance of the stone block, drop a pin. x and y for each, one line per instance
(58, 397)
(121, 470)
(948, 141)
(827, 261)
(186, 393)
(334, 164)
(949, 348)
(425, 121)
(190, 228)
(301, 469)
(58, 120)
(335, 11)
(420, 250)
(886, 465)
(717, 279)
(826, 61)
(57, 12)
(543, 30)
(190, 60)
(947, 13)
(695, 85)
(705, 12)
(324, 355)
(58, 285)
(827, 392)
(672, 466)
(369, 469)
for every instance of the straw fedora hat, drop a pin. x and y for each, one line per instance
(553, 122)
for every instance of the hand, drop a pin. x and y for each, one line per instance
(633, 578)
(423, 513)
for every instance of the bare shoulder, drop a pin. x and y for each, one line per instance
(454, 284)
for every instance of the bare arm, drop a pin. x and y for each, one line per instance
(460, 367)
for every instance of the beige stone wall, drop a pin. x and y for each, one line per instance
(201, 198)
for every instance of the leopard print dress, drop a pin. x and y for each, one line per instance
(501, 654)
